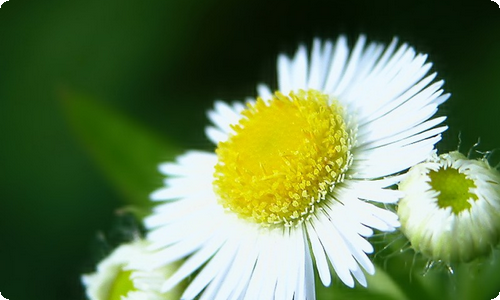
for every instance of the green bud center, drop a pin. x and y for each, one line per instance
(454, 189)
(121, 286)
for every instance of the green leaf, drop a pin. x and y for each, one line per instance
(478, 279)
(380, 287)
(127, 152)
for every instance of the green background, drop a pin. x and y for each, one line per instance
(93, 94)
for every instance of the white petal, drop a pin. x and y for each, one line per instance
(264, 92)
(351, 66)
(320, 59)
(319, 256)
(334, 246)
(284, 76)
(300, 69)
(337, 66)
(215, 135)
(300, 259)
(220, 261)
(237, 274)
(286, 269)
(309, 272)
(194, 262)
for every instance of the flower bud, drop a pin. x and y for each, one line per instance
(451, 208)
(118, 278)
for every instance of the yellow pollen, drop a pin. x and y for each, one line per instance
(285, 156)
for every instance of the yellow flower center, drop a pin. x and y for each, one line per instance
(285, 156)
(121, 286)
(454, 189)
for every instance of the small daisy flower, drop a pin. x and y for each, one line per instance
(451, 210)
(297, 174)
(115, 279)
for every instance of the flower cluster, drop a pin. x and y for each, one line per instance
(300, 179)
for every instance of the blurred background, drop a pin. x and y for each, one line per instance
(94, 93)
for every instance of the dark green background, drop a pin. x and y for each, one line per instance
(162, 63)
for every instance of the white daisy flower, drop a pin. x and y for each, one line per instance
(451, 211)
(115, 279)
(297, 174)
